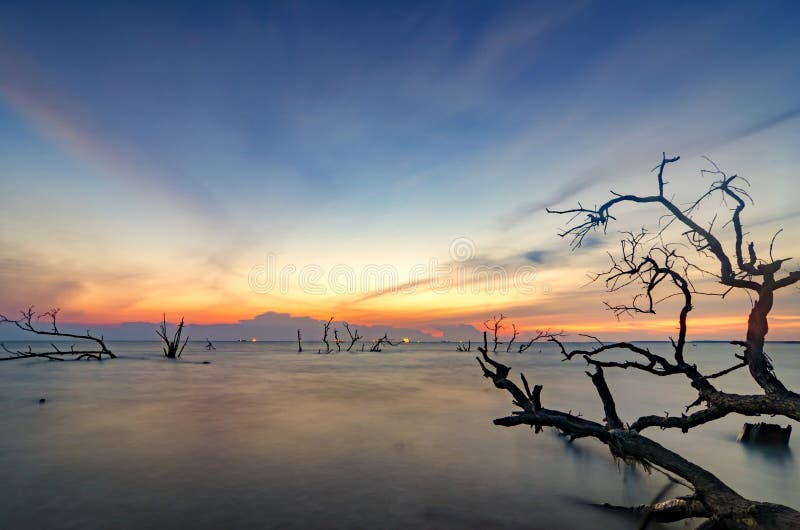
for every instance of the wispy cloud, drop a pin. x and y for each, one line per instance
(752, 129)
(28, 88)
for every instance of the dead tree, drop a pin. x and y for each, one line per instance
(462, 347)
(28, 322)
(514, 336)
(336, 340)
(376, 347)
(495, 326)
(210, 345)
(172, 347)
(299, 342)
(540, 335)
(326, 326)
(655, 265)
(745, 271)
(354, 337)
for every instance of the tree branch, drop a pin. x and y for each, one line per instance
(27, 323)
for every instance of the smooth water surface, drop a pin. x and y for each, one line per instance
(264, 437)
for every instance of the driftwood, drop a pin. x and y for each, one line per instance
(28, 322)
(299, 342)
(462, 347)
(765, 433)
(172, 347)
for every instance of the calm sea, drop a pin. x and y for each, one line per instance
(264, 437)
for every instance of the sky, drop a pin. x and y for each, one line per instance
(387, 163)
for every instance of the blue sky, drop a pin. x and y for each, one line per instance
(189, 140)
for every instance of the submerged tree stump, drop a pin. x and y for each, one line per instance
(765, 433)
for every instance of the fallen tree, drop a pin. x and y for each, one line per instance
(711, 499)
(28, 322)
(377, 345)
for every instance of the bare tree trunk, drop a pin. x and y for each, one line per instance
(513, 337)
(326, 327)
(757, 329)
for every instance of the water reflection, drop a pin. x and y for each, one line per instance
(771, 454)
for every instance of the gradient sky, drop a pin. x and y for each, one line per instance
(154, 155)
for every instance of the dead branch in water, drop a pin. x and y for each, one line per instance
(540, 334)
(172, 347)
(28, 323)
(495, 326)
(514, 335)
(376, 347)
(711, 498)
(354, 337)
(326, 326)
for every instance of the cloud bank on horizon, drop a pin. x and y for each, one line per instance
(151, 155)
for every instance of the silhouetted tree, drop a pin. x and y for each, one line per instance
(376, 347)
(540, 335)
(299, 342)
(495, 326)
(655, 264)
(514, 336)
(354, 337)
(28, 323)
(462, 347)
(172, 347)
(326, 326)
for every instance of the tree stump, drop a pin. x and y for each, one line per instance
(765, 433)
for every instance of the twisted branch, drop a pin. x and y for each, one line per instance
(27, 322)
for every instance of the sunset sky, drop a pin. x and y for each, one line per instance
(317, 159)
